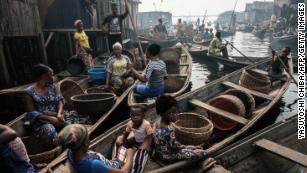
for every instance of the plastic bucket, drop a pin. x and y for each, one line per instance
(97, 73)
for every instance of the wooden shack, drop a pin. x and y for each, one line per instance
(21, 41)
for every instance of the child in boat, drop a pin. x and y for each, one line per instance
(167, 148)
(76, 138)
(138, 131)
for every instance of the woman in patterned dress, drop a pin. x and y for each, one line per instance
(167, 148)
(44, 105)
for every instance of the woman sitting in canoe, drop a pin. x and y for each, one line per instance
(44, 105)
(76, 138)
(216, 46)
(154, 74)
(167, 148)
(14, 152)
(117, 68)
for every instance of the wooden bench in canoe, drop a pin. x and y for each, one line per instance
(275, 148)
(179, 74)
(104, 142)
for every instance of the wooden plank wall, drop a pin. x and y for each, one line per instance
(18, 18)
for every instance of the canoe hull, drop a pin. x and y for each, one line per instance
(162, 43)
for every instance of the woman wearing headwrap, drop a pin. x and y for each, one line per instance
(117, 68)
(76, 138)
(83, 48)
(14, 152)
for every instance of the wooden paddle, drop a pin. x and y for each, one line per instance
(240, 51)
(284, 65)
(136, 32)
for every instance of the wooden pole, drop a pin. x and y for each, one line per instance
(284, 65)
(240, 51)
(136, 31)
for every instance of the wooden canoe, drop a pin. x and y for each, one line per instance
(176, 83)
(202, 42)
(259, 33)
(275, 148)
(187, 102)
(162, 43)
(22, 131)
(197, 50)
(235, 61)
(286, 38)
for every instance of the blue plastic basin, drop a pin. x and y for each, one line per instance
(97, 73)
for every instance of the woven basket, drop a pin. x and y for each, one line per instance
(171, 56)
(255, 81)
(69, 88)
(39, 154)
(192, 129)
(247, 99)
(230, 104)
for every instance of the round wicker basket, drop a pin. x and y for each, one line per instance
(247, 99)
(230, 104)
(39, 154)
(255, 81)
(192, 129)
(69, 88)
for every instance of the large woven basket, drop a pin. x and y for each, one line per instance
(192, 129)
(230, 104)
(69, 88)
(255, 81)
(247, 99)
(38, 153)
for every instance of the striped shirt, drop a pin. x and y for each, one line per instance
(155, 72)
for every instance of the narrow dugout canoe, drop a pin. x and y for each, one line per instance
(196, 101)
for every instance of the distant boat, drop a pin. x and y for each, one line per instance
(163, 43)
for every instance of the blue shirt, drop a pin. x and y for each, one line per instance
(87, 165)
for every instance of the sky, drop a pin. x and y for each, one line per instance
(193, 7)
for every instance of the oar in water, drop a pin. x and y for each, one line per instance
(284, 65)
(240, 52)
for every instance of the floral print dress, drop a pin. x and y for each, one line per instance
(168, 149)
(43, 104)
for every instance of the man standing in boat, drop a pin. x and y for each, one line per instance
(160, 30)
(216, 46)
(115, 22)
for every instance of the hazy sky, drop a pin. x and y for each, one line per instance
(194, 7)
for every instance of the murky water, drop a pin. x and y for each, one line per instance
(250, 45)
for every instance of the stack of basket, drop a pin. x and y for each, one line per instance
(252, 80)
(234, 101)
(192, 129)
